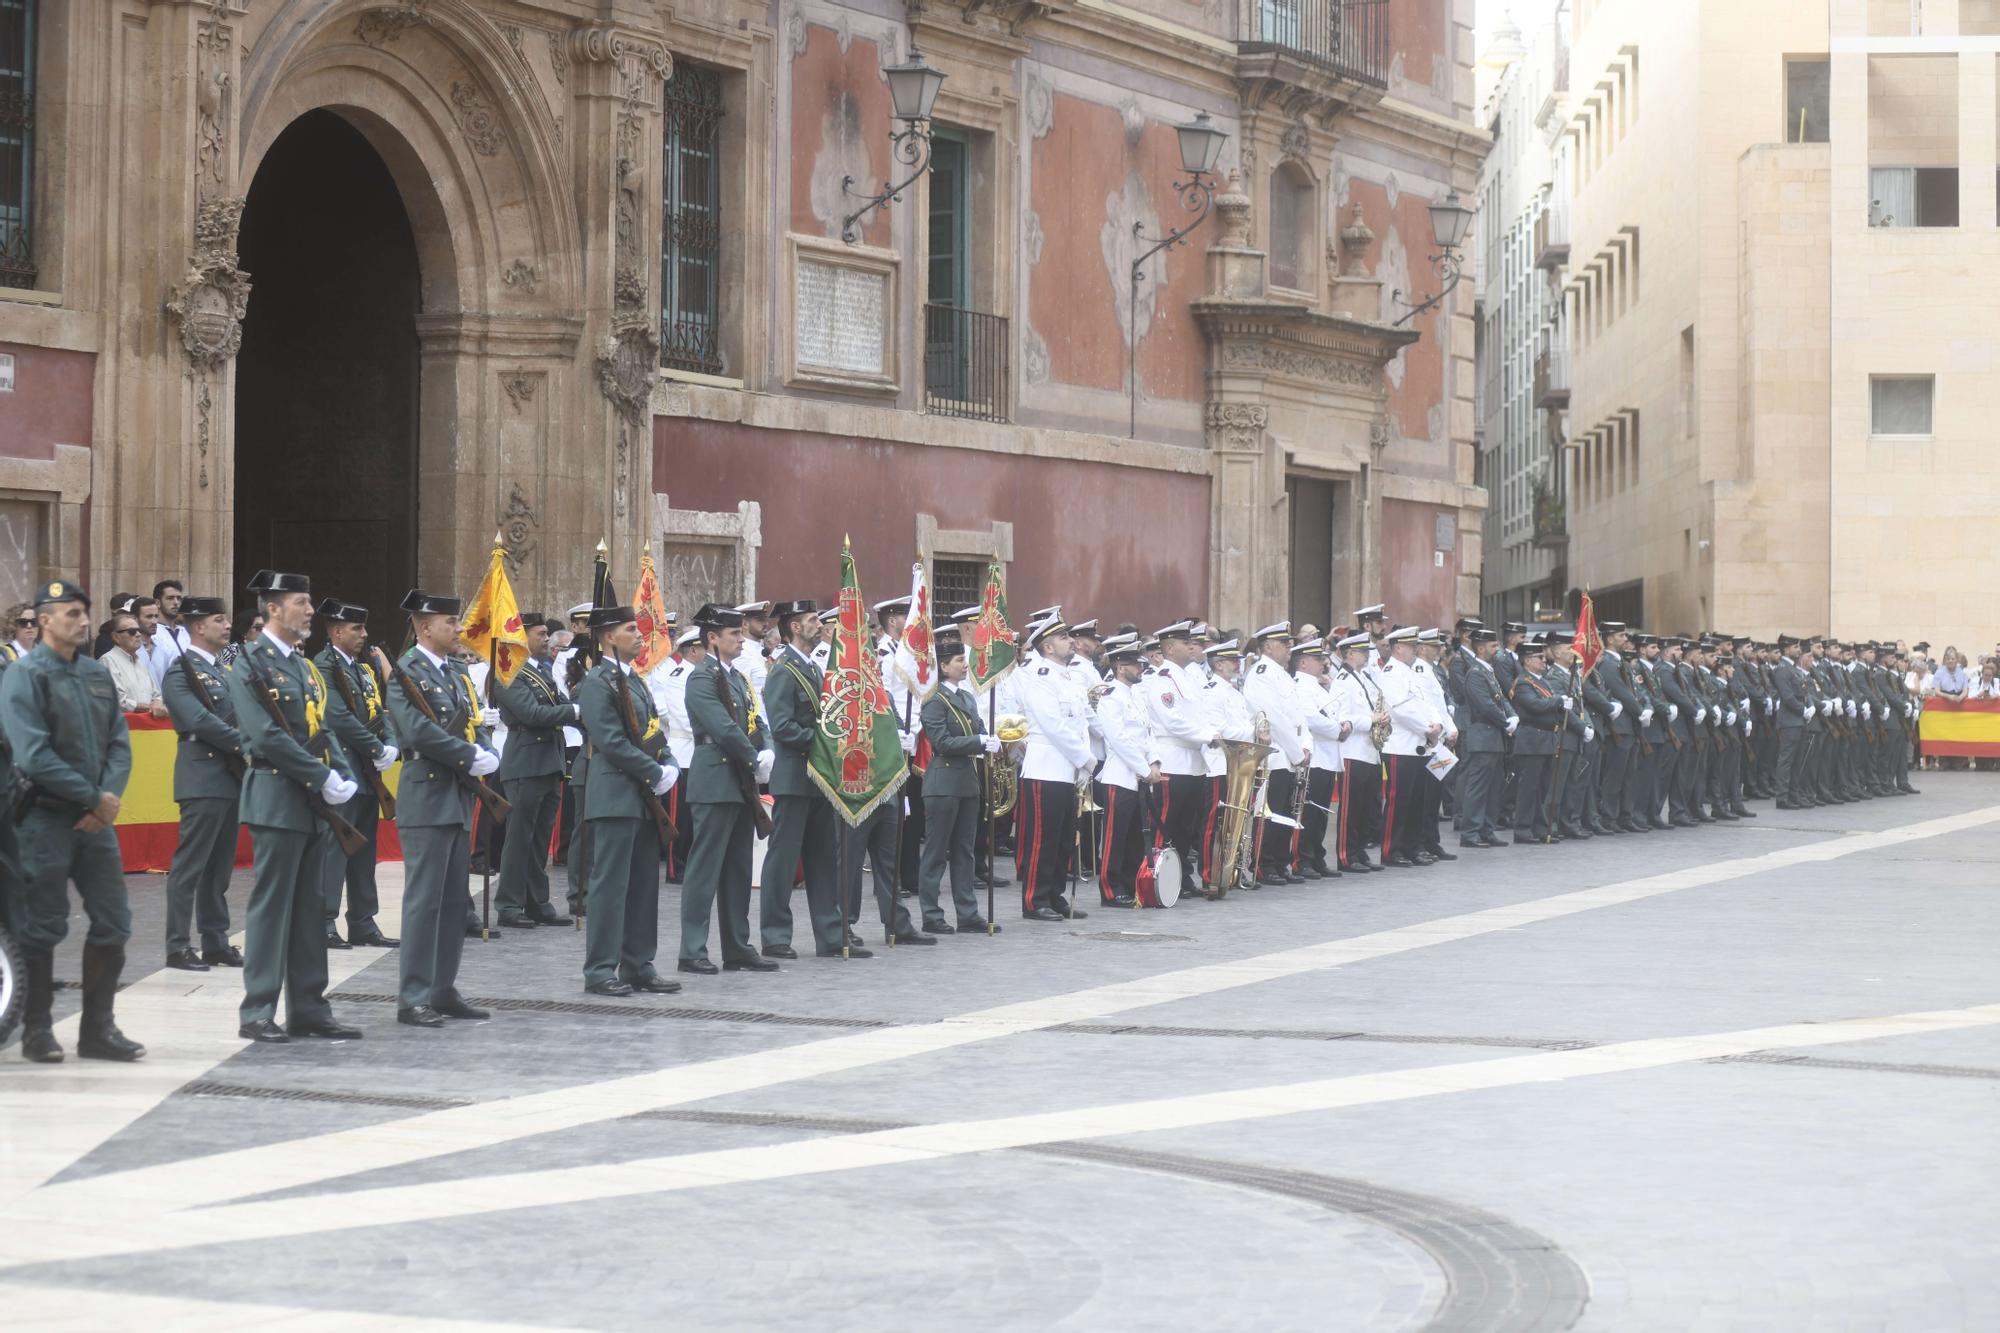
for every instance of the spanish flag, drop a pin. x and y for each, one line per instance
(492, 624)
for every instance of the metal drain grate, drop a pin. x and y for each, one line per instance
(638, 1009)
(399, 1100)
(1866, 1066)
(1321, 1034)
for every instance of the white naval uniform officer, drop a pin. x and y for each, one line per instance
(1325, 730)
(1057, 757)
(1414, 728)
(1131, 768)
(1268, 688)
(1356, 699)
(1182, 729)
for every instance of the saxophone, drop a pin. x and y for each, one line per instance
(1378, 730)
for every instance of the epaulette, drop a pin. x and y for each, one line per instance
(1260, 667)
(1041, 671)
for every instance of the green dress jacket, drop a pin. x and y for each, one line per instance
(951, 724)
(727, 735)
(210, 754)
(288, 763)
(535, 713)
(622, 770)
(360, 727)
(791, 712)
(429, 794)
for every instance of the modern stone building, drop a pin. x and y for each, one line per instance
(1782, 233)
(351, 285)
(1522, 344)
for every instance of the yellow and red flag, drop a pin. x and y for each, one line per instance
(656, 636)
(492, 624)
(1589, 642)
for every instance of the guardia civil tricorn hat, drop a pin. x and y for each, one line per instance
(194, 608)
(420, 603)
(272, 581)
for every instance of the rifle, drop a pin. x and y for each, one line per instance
(351, 839)
(385, 800)
(663, 824)
(232, 762)
(746, 780)
(496, 804)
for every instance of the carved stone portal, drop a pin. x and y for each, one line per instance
(208, 307)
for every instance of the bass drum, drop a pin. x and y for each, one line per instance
(1159, 878)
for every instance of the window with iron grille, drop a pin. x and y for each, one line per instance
(955, 585)
(17, 141)
(691, 226)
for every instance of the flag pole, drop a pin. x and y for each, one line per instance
(986, 809)
(486, 861)
(843, 892)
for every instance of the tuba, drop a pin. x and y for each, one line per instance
(1243, 761)
(1004, 766)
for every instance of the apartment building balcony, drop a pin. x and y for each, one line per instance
(966, 368)
(1552, 377)
(1551, 519)
(1552, 236)
(1332, 51)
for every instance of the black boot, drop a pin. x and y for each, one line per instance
(99, 1038)
(38, 1038)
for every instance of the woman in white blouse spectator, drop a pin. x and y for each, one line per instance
(1988, 684)
(1950, 680)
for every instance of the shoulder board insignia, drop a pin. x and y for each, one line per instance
(1260, 668)
(1213, 681)
(1042, 671)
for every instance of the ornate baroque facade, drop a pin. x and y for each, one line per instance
(358, 284)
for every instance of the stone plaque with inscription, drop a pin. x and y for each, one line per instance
(840, 314)
(692, 573)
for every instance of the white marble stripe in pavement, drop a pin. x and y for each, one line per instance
(217, 1178)
(188, 1022)
(432, 1201)
(61, 1309)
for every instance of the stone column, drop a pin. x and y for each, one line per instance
(615, 98)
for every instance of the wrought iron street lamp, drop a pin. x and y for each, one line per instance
(1450, 220)
(913, 90)
(1201, 145)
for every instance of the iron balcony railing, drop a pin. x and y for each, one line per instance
(1552, 235)
(1552, 377)
(1349, 36)
(1551, 518)
(966, 370)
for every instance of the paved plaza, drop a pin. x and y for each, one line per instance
(1738, 1077)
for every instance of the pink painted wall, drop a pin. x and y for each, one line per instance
(1416, 588)
(841, 116)
(51, 402)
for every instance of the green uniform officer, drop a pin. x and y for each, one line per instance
(355, 716)
(292, 758)
(443, 745)
(60, 711)
(730, 758)
(802, 820)
(531, 768)
(208, 787)
(628, 763)
(952, 794)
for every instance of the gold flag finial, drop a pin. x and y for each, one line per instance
(602, 549)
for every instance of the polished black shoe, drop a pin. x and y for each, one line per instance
(701, 967)
(1633, 826)
(1122, 902)
(854, 940)
(912, 937)
(549, 916)
(516, 921)
(1908, 790)
(186, 960)
(326, 1028)
(1743, 812)
(1003, 883)
(262, 1030)
(1067, 912)
(1472, 842)
(39, 1044)
(456, 1007)
(1788, 805)
(615, 988)
(1043, 914)
(333, 941)
(1686, 821)
(227, 956)
(1400, 862)
(371, 938)
(1491, 841)
(756, 964)
(940, 928)
(976, 925)
(1272, 878)
(1308, 873)
(1360, 865)
(1655, 822)
(1572, 831)
(657, 985)
(420, 1016)
(780, 951)
(1440, 854)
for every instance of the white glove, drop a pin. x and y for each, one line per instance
(1084, 772)
(1563, 699)
(765, 759)
(484, 762)
(1867, 710)
(908, 740)
(1699, 714)
(337, 789)
(1770, 707)
(1730, 718)
(390, 754)
(1810, 710)
(1589, 735)
(576, 712)
(991, 744)
(666, 781)
(1673, 712)
(1617, 710)
(489, 717)
(1909, 710)
(1513, 725)
(1850, 708)
(1645, 717)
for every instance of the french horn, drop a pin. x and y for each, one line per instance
(1004, 765)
